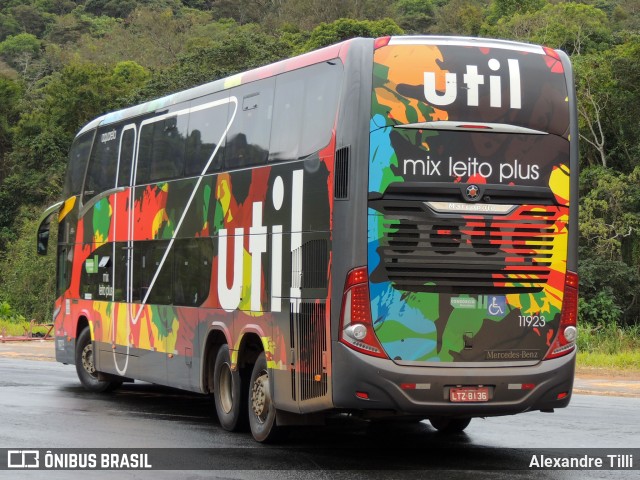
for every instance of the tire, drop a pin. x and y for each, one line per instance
(262, 412)
(450, 425)
(85, 365)
(228, 393)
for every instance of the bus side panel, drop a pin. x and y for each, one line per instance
(350, 211)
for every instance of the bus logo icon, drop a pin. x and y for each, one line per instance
(472, 192)
(23, 459)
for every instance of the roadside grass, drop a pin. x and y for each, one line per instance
(599, 347)
(19, 328)
(609, 347)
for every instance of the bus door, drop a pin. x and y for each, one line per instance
(121, 312)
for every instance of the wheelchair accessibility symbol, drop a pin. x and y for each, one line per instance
(497, 306)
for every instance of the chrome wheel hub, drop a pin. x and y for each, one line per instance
(87, 360)
(261, 397)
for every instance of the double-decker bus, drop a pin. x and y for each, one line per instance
(383, 226)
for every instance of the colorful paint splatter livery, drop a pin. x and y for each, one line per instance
(340, 231)
(467, 282)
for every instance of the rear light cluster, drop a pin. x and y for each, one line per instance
(565, 341)
(356, 326)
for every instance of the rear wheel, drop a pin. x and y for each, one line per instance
(227, 392)
(85, 365)
(262, 412)
(450, 425)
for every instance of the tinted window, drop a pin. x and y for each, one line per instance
(65, 262)
(126, 157)
(192, 271)
(207, 125)
(147, 260)
(162, 149)
(287, 116)
(305, 107)
(322, 91)
(101, 173)
(248, 137)
(78, 157)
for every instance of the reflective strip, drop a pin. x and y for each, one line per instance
(467, 42)
(472, 127)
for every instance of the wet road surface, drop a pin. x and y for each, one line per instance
(42, 405)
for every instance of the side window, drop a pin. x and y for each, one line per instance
(78, 158)
(101, 173)
(248, 137)
(127, 146)
(322, 92)
(207, 124)
(162, 149)
(287, 116)
(147, 259)
(65, 262)
(192, 271)
(95, 278)
(305, 107)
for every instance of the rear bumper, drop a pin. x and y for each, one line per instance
(382, 379)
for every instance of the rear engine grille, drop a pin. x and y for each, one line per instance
(469, 255)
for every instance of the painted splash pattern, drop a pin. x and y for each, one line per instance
(427, 322)
(244, 204)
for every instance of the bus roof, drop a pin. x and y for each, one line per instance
(467, 42)
(286, 65)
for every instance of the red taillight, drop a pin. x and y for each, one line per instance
(565, 341)
(551, 53)
(381, 42)
(475, 126)
(356, 327)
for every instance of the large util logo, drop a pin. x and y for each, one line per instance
(231, 296)
(474, 83)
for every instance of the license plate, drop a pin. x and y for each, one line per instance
(469, 394)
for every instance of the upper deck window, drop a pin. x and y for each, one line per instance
(78, 158)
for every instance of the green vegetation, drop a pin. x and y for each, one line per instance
(609, 348)
(64, 62)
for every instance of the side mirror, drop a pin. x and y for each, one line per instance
(44, 226)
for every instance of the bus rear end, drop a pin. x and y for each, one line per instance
(467, 304)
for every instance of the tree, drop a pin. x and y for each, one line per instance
(231, 49)
(8, 26)
(572, 27)
(609, 210)
(10, 95)
(42, 136)
(329, 33)
(20, 50)
(460, 17)
(27, 282)
(31, 19)
(415, 15)
(151, 38)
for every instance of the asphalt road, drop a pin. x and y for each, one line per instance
(42, 405)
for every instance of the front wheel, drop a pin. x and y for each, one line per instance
(450, 425)
(85, 365)
(262, 412)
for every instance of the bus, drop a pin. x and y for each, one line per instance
(383, 227)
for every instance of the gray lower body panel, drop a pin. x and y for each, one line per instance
(383, 381)
(65, 350)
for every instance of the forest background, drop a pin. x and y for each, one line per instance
(64, 62)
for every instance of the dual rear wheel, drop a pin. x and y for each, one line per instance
(241, 400)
